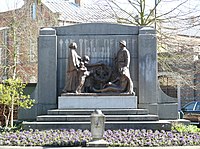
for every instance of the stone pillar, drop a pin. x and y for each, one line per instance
(97, 129)
(47, 70)
(147, 75)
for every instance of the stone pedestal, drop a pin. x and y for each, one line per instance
(98, 143)
(95, 102)
(97, 129)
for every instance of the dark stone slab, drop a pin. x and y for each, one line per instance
(154, 125)
(83, 118)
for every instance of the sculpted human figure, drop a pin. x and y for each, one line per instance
(123, 63)
(74, 61)
(77, 72)
(82, 74)
(123, 82)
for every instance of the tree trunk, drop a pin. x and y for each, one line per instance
(12, 113)
(6, 115)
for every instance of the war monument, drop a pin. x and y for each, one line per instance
(103, 66)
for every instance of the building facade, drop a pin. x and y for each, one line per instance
(19, 29)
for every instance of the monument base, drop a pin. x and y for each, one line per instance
(98, 143)
(95, 102)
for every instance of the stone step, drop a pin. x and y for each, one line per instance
(113, 125)
(85, 118)
(105, 111)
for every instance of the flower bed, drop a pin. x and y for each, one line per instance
(73, 137)
(149, 138)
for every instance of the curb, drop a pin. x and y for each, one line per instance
(39, 147)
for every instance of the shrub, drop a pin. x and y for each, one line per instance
(12, 95)
(185, 128)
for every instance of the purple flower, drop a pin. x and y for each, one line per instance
(80, 137)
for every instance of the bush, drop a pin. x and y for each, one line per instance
(185, 128)
(12, 95)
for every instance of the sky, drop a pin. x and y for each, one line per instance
(191, 4)
(6, 5)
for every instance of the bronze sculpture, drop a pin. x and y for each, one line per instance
(123, 63)
(72, 73)
(78, 72)
(82, 74)
(123, 83)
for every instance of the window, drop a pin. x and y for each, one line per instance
(189, 107)
(2, 56)
(198, 106)
(33, 11)
(168, 85)
(16, 53)
(1, 50)
(32, 52)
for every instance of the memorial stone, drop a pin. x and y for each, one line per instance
(99, 42)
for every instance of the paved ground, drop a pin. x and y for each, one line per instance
(171, 147)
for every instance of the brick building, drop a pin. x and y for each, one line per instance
(18, 41)
(19, 29)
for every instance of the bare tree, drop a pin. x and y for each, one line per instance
(178, 36)
(178, 40)
(144, 12)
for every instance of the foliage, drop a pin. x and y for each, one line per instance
(128, 138)
(13, 88)
(12, 95)
(185, 128)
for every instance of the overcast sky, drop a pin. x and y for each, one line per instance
(191, 4)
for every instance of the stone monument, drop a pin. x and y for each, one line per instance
(115, 67)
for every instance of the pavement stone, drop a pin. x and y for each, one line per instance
(168, 147)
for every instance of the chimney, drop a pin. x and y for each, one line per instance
(29, 1)
(78, 2)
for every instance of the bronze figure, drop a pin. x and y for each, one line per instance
(73, 66)
(123, 82)
(99, 73)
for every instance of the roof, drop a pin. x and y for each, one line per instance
(3, 28)
(182, 28)
(71, 12)
(191, 32)
(8, 5)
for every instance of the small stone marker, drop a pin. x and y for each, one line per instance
(97, 129)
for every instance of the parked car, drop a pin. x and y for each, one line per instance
(191, 111)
